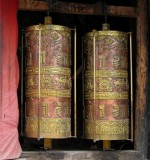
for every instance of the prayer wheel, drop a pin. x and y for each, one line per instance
(106, 85)
(48, 81)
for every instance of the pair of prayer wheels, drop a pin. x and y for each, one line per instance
(48, 83)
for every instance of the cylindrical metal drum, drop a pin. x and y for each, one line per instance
(48, 81)
(106, 85)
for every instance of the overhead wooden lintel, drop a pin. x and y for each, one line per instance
(77, 8)
(122, 11)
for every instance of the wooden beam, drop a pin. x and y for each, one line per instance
(86, 155)
(77, 8)
(122, 11)
(141, 106)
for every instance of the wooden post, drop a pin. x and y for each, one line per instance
(47, 143)
(141, 126)
(106, 145)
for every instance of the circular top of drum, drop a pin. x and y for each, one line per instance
(48, 27)
(105, 33)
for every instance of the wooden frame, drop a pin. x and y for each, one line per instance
(140, 12)
(78, 8)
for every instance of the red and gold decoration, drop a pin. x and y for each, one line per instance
(48, 81)
(106, 85)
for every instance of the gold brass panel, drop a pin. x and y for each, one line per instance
(107, 130)
(49, 127)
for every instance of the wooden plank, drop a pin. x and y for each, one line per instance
(122, 11)
(141, 126)
(77, 8)
(95, 155)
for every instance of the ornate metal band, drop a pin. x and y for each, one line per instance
(55, 82)
(48, 93)
(107, 130)
(48, 27)
(107, 73)
(48, 70)
(107, 95)
(117, 34)
(108, 84)
(49, 127)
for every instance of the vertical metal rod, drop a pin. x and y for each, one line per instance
(75, 83)
(83, 85)
(25, 108)
(131, 86)
(131, 83)
(22, 46)
(94, 52)
(39, 89)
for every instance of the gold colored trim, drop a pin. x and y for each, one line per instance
(75, 82)
(48, 27)
(39, 85)
(107, 130)
(107, 137)
(107, 95)
(106, 33)
(48, 93)
(105, 73)
(94, 77)
(49, 127)
(48, 70)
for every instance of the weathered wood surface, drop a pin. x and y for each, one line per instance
(141, 106)
(81, 155)
(77, 8)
